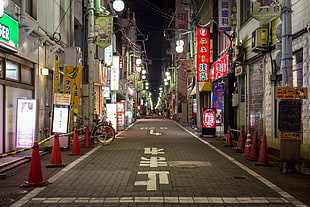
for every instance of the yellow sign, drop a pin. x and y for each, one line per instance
(62, 99)
(291, 135)
(72, 84)
(291, 93)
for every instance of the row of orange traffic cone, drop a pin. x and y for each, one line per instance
(35, 178)
(249, 148)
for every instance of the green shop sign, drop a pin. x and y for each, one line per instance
(266, 10)
(9, 33)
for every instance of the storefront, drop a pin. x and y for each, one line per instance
(16, 81)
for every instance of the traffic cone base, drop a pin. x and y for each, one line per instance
(28, 185)
(35, 178)
(56, 154)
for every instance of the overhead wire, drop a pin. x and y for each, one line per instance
(156, 9)
(62, 18)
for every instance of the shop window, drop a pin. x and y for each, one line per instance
(30, 7)
(244, 11)
(297, 69)
(11, 70)
(26, 75)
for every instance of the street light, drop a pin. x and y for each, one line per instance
(179, 48)
(118, 5)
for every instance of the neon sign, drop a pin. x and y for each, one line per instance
(203, 54)
(209, 118)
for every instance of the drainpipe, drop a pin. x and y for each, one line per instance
(72, 43)
(286, 61)
(22, 13)
(90, 61)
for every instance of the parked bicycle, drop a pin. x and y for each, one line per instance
(102, 132)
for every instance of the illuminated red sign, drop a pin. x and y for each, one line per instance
(209, 118)
(220, 67)
(203, 54)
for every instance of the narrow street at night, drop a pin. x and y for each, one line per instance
(159, 162)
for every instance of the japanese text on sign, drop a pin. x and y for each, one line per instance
(224, 15)
(220, 67)
(209, 118)
(203, 54)
(291, 93)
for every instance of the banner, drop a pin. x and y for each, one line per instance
(220, 67)
(265, 11)
(203, 56)
(104, 29)
(224, 23)
(217, 100)
(72, 84)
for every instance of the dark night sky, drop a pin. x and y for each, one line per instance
(151, 22)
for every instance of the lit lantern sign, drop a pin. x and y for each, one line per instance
(115, 74)
(209, 118)
(203, 54)
(9, 33)
(26, 122)
(220, 67)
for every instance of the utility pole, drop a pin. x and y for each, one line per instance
(286, 60)
(90, 61)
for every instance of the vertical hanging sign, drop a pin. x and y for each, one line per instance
(115, 74)
(220, 67)
(224, 23)
(203, 54)
(265, 11)
(72, 84)
(104, 29)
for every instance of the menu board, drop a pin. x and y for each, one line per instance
(289, 116)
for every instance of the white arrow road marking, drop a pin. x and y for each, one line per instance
(154, 133)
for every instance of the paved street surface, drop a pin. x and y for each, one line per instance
(158, 163)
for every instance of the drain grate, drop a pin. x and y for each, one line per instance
(6, 200)
(239, 177)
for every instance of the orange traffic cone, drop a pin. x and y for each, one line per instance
(35, 178)
(254, 150)
(240, 145)
(263, 153)
(56, 154)
(76, 150)
(228, 138)
(248, 145)
(87, 137)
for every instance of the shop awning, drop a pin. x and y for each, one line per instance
(205, 86)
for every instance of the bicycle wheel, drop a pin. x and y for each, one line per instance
(104, 134)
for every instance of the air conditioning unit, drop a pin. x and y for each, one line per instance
(260, 39)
